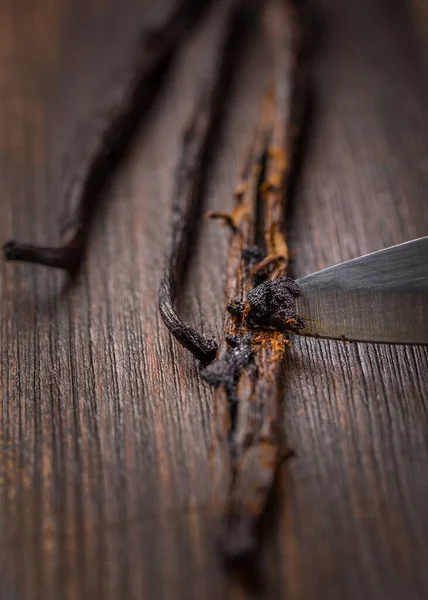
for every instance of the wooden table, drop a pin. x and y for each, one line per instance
(104, 423)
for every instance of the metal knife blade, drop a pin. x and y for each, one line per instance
(379, 297)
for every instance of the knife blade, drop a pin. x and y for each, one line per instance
(379, 297)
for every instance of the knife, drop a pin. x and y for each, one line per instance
(379, 297)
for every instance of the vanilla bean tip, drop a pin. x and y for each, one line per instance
(61, 257)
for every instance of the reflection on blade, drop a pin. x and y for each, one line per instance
(379, 297)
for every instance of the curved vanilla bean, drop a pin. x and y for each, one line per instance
(111, 131)
(197, 141)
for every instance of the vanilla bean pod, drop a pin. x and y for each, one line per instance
(197, 142)
(246, 439)
(112, 130)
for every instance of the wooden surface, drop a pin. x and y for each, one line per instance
(104, 475)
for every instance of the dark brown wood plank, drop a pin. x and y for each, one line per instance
(356, 413)
(104, 423)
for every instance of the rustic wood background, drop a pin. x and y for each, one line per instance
(104, 474)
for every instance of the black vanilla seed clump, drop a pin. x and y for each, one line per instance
(272, 305)
(227, 370)
(253, 255)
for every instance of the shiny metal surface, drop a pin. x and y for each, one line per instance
(379, 297)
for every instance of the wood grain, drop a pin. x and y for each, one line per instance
(104, 424)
